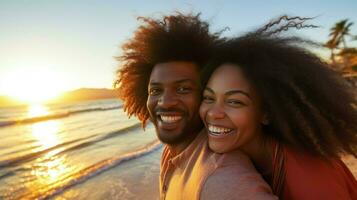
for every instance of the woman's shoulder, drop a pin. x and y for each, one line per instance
(311, 177)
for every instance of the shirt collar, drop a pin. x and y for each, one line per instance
(180, 159)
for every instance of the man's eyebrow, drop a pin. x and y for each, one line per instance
(185, 80)
(154, 83)
(176, 82)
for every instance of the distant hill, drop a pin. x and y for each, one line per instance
(8, 101)
(70, 96)
(86, 94)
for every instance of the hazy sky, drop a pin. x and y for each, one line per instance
(71, 44)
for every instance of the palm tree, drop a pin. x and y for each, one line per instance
(338, 34)
(341, 30)
(332, 45)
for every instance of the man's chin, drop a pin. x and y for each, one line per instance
(178, 135)
(169, 138)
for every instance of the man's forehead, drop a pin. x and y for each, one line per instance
(175, 72)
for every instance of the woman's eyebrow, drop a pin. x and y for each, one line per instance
(230, 92)
(238, 91)
(209, 90)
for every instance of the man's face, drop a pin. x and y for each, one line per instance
(173, 101)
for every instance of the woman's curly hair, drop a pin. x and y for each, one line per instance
(309, 106)
(176, 37)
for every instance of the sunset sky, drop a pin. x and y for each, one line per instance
(47, 47)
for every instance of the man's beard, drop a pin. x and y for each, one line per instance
(174, 140)
(186, 133)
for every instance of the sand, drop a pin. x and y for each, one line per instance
(136, 180)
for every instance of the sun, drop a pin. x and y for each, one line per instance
(32, 85)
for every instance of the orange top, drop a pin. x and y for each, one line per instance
(311, 178)
(198, 173)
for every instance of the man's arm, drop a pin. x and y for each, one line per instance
(232, 182)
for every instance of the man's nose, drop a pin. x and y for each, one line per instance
(168, 99)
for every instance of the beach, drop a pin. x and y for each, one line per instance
(134, 180)
(84, 150)
(55, 151)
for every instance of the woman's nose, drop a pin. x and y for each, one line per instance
(216, 112)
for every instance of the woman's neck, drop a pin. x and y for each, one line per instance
(260, 152)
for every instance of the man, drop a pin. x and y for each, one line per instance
(159, 79)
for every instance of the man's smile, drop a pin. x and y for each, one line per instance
(170, 118)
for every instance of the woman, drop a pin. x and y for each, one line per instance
(287, 110)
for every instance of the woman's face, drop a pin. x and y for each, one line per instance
(231, 111)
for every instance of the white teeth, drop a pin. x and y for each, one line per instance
(170, 119)
(218, 130)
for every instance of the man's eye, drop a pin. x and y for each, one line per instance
(183, 90)
(154, 91)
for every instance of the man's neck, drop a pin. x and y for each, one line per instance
(178, 148)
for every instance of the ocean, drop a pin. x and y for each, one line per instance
(83, 150)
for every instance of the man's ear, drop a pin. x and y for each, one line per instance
(265, 119)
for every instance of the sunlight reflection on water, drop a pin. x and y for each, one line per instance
(35, 110)
(46, 133)
(52, 166)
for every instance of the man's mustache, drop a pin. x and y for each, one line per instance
(163, 110)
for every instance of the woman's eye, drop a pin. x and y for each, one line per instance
(235, 102)
(207, 99)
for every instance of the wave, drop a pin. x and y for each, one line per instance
(27, 157)
(54, 116)
(89, 172)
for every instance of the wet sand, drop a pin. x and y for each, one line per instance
(136, 180)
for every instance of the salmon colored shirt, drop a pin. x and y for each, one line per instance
(307, 177)
(198, 173)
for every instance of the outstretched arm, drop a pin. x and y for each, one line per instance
(231, 183)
